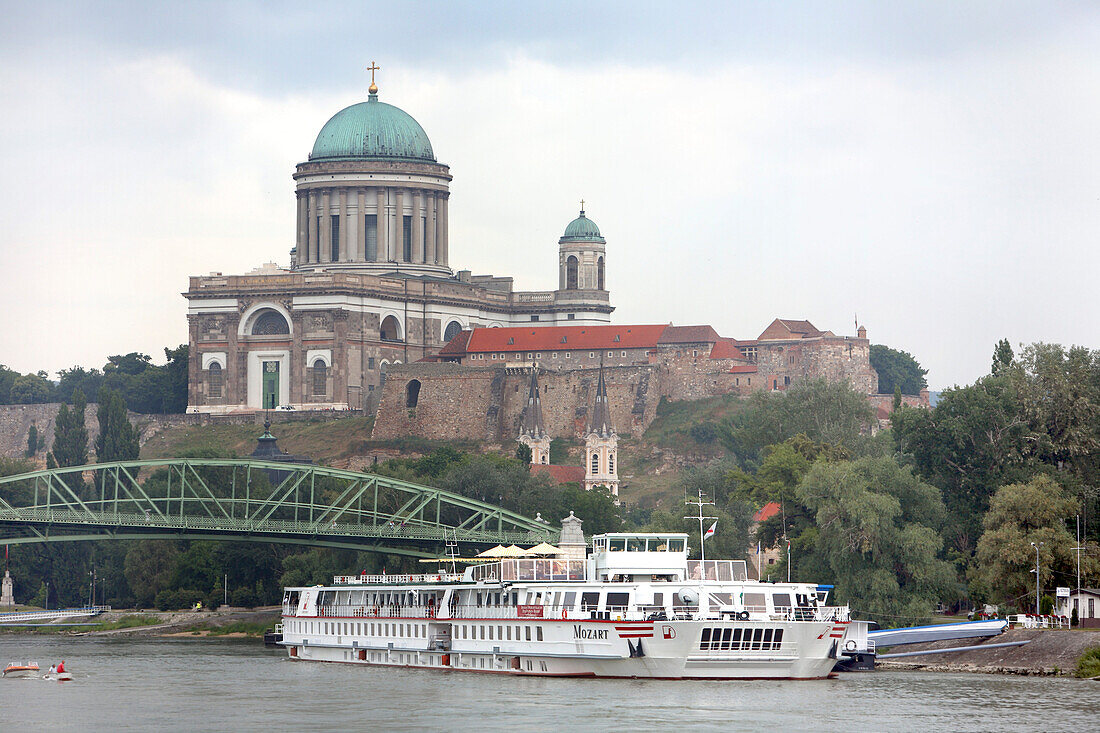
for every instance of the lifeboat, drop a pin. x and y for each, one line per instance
(21, 669)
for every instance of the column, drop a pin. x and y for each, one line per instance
(399, 227)
(325, 235)
(303, 232)
(360, 226)
(342, 196)
(418, 229)
(444, 244)
(382, 253)
(311, 215)
(430, 256)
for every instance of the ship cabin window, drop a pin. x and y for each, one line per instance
(618, 600)
(570, 599)
(527, 633)
(616, 544)
(538, 633)
(635, 544)
(782, 602)
(600, 544)
(658, 544)
(508, 630)
(676, 544)
(590, 601)
(754, 601)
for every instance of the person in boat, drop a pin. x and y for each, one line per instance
(53, 669)
(61, 667)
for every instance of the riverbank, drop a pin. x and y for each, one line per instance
(1049, 652)
(230, 623)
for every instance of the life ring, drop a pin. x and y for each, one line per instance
(563, 613)
(743, 616)
(850, 645)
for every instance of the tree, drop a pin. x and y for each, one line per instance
(7, 378)
(875, 534)
(132, 363)
(972, 441)
(176, 382)
(825, 412)
(29, 389)
(523, 453)
(897, 369)
(88, 381)
(1019, 514)
(32, 442)
(70, 441)
(117, 439)
(1002, 358)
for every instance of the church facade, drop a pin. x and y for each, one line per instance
(369, 284)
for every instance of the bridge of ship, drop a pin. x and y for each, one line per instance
(250, 500)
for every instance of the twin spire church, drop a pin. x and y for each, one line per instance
(369, 283)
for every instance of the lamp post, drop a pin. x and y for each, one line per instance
(1036, 546)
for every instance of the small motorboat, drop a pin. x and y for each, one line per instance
(21, 669)
(58, 677)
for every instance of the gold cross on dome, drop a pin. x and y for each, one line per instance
(582, 204)
(373, 68)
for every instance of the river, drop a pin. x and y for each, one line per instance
(207, 684)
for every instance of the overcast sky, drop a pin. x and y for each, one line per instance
(931, 167)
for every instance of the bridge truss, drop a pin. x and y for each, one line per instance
(248, 500)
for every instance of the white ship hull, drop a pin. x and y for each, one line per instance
(657, 650)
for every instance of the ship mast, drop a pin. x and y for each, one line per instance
(699, 503)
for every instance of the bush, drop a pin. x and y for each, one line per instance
(1046, 605)
(704, 432)
(1089, 663)
(243, 598)
(172, 600)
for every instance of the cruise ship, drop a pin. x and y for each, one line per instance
(632, 606)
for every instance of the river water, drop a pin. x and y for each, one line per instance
(218, 684)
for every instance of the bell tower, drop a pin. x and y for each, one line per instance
(532, 432)
(601, 445)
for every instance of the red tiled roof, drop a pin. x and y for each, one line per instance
(783, 328)
(743, 369)
(688, 335)
(549, 338)
(767, 511)
(457, 345)
(726, 349)
(560, 474)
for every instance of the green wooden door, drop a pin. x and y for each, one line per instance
(270, 390)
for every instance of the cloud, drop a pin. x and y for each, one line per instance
(948, 200)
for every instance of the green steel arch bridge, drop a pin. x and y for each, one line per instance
(253, 501)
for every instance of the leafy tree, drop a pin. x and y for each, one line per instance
(972, 441)
(897, 369)
(1059, 395)
(825, 412)
(523, 453)
(559, 451)
(88, 381)
(1019, 514)
(176, 367)
(28, 389)
(132, 363)
(1002, 358)
(875, 534)
(7, 378)
(70, 441)
(117, 439)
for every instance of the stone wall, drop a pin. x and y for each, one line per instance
(457, 402)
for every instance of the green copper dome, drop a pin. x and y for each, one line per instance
(372, 129)
(582, 229)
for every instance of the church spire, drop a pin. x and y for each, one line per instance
(601, 412)
(532, 424)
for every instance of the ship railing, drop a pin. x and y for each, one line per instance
(529, 569)
(359, 610)
(726, 571)
(419, 578)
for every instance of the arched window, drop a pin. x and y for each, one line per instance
(412, 393)
(599, 274)
(595, 463)
(320, 378)
(383, 368)
(571, 273)
(453, 329)
(611, 463)
(270, 323)
(391, 329)
(215, 380)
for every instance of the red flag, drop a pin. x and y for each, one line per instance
(710, 531)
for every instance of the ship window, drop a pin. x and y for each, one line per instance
(500, 633)
(767, 639)
(726, 633)
(777, 639)
(676, 545)
(538, 633)
(635, 544)
(616, 544)
(736, 642)
(517, 634)
(527, 633)
(483, 633)
(508, 630)
(570, 599)
(756, 634)
(704, 640)
(754, 601)
(781, 601)
(619, 600)
(590, 601)
(658, 599)
(658, 544)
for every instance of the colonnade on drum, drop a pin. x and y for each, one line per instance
(342, 225)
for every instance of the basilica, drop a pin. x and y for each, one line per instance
(369, 284)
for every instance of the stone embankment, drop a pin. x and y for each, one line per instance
(1048, 652)
(171, 623)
